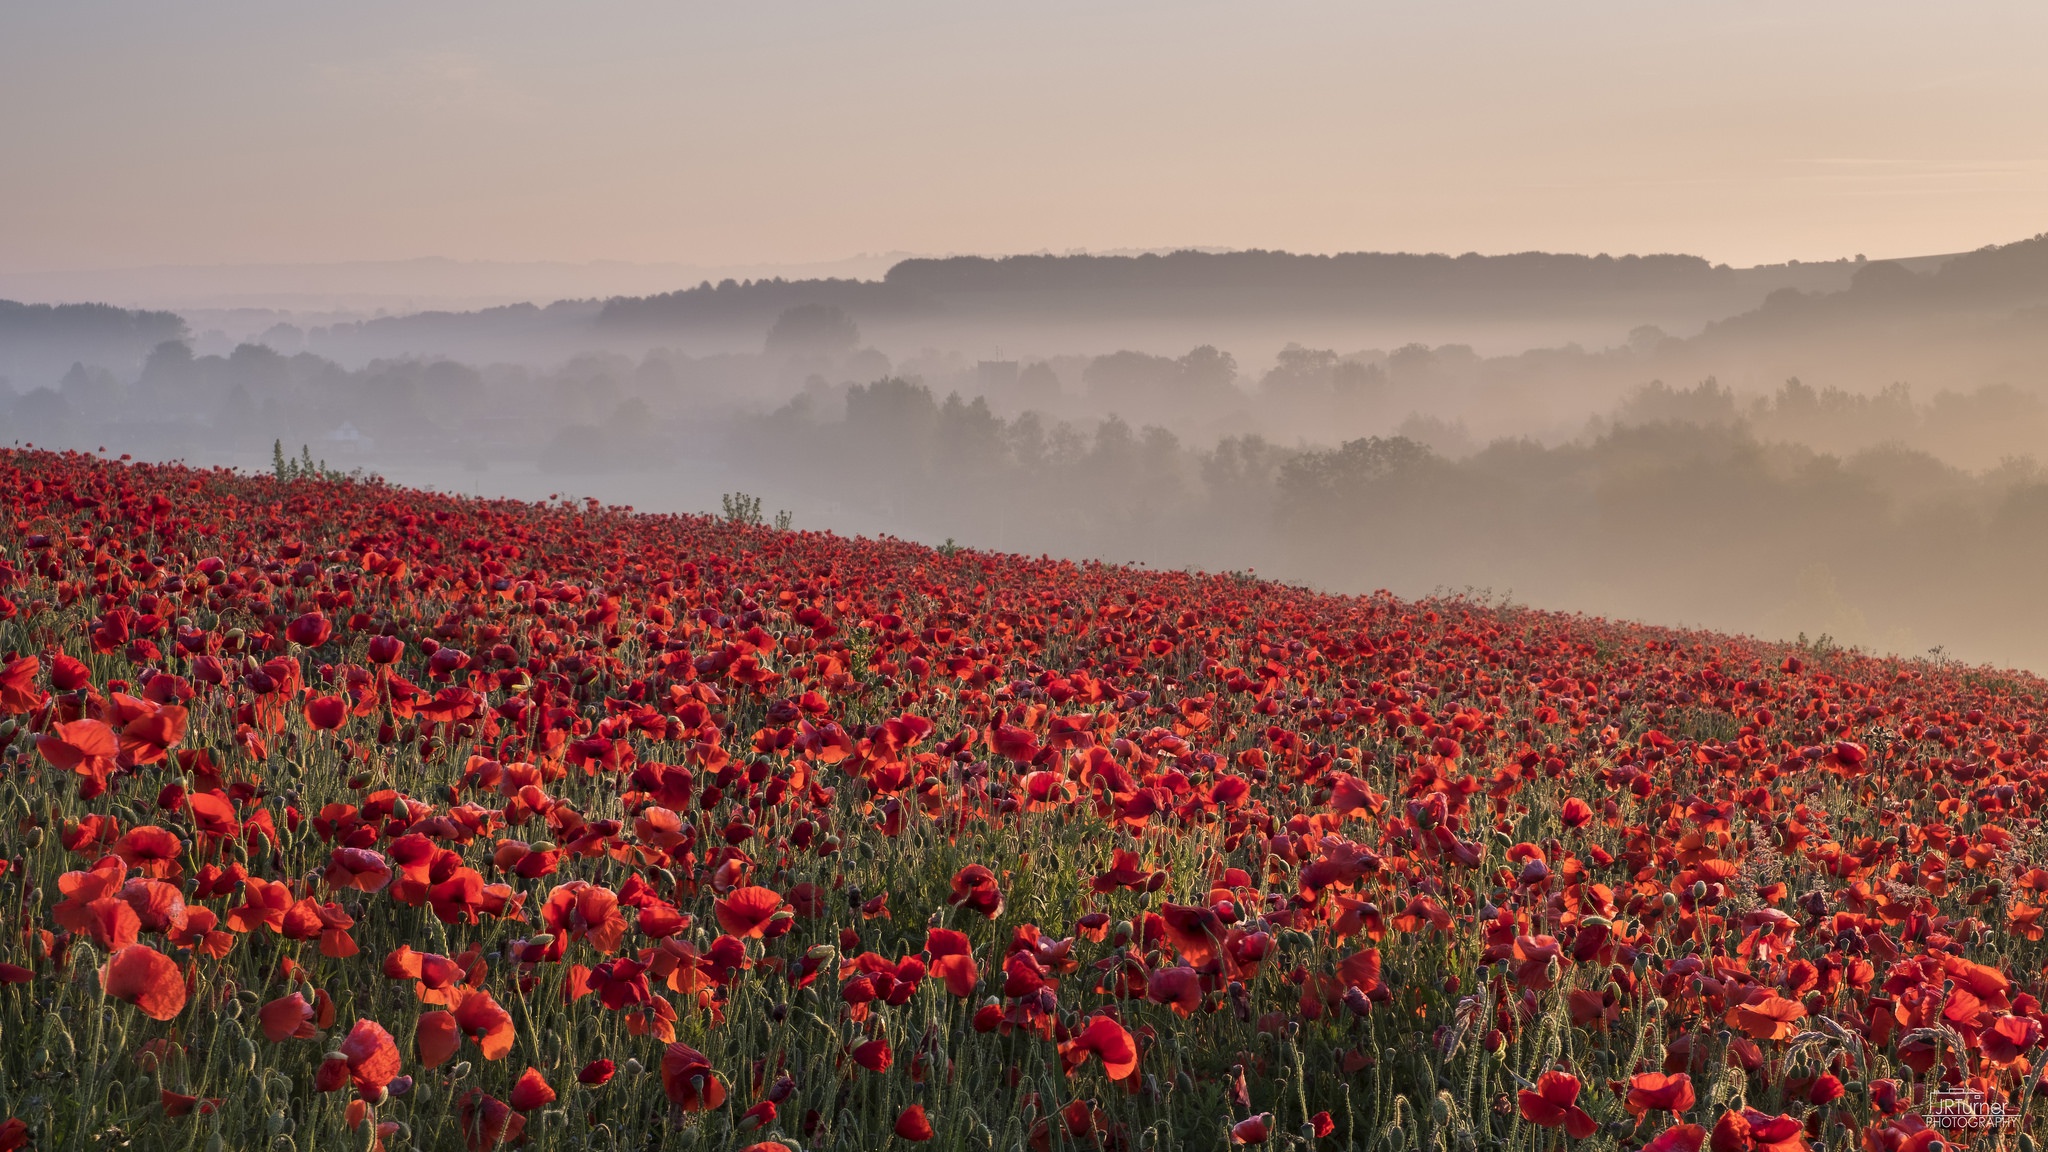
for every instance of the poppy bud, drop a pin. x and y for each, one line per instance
(1356, 1003)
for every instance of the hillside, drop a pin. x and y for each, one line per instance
(452, 821)
(1242, 286)
(40, 341)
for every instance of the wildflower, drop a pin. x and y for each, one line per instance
(1102, 1037)
(687, 1078)
(1554, 1104)
(146, 978)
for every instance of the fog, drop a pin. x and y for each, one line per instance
(1845, 451)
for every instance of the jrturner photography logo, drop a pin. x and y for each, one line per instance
(1966, 1108)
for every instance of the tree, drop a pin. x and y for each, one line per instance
(813, 330)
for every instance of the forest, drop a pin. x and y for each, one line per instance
(1810, 466)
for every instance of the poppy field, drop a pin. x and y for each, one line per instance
(339, 815)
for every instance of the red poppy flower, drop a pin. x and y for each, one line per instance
(213, 815)
(326, 713)
(687, 1078)
(2008, 1038)
(357, 868)
(264, 904)
(1195, 930)
(1179, 988)
(874, 1055)
(746, 911)
(1256, 1130)
(1013, 743)
(18, 691)
(372, 1056)
(958, 971)
(112, 923)
(531, 1091)
(152, 849)
(1103, 1037)
(435, 1038)
(1554, 1104)
(68, 673)
(86, 747)
(1682, 1138)
(480, 1018)
(1657, 1092)
(1533, 957)
(974, 888)
(1769, 1018)
(309, 631)
(286, 1018)
(1752, 1131)
(178, 1104)
(149, 737)
(158, 906)
(146, 978)
(912, 1125)
(585, 911)
(488, 1123)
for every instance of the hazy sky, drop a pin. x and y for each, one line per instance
(141, 133)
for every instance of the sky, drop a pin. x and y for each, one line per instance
(136, 133)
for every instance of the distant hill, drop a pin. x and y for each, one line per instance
(1260, 285)
(1978, 317)
(1998, 279)
(756, 303)
(38, 342)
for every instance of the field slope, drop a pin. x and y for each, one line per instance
(341, 815)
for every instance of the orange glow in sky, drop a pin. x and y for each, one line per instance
(139, 133)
